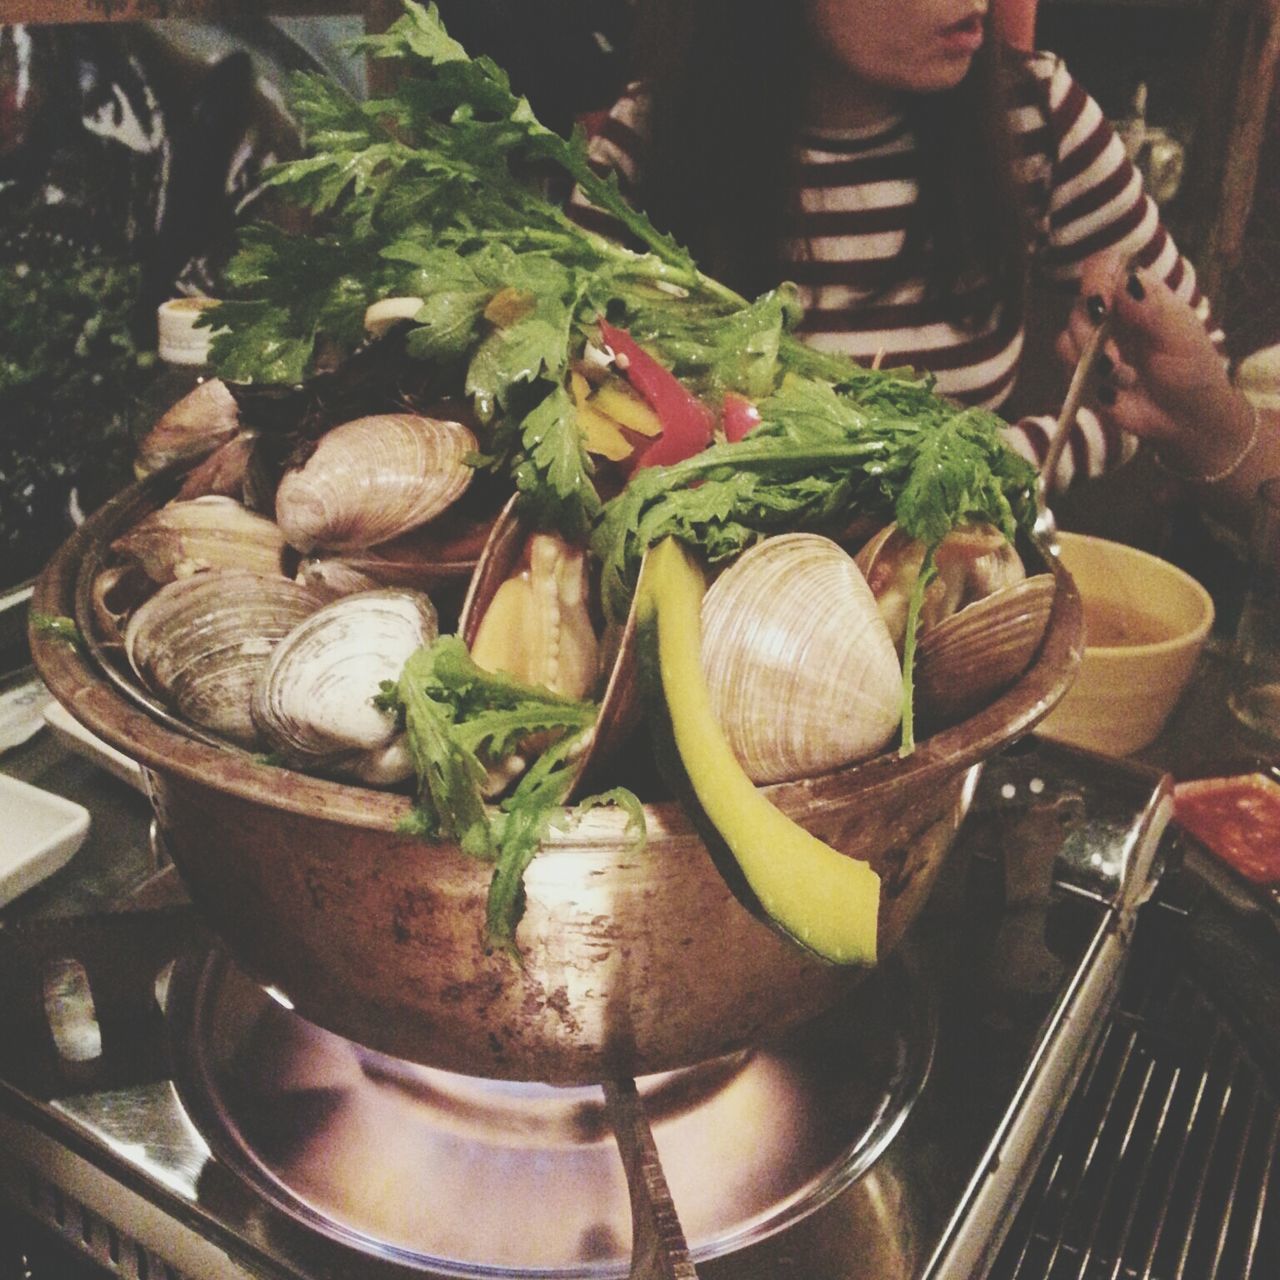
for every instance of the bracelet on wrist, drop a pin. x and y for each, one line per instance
(1225, 472)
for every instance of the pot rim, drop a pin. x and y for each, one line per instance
(75, 680)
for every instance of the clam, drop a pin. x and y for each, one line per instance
(224, 471)
(373, 479)
(506, 557)
(191, 428)
(977, 653)
(534, 621)
(200, 642)
(434, 558)
(971, 561)
(800, 665)
(314, 699)
(213, 532)
(116, 592)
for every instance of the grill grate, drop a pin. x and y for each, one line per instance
(1165, 1166)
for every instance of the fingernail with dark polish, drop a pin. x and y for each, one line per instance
(1136, 291)
(1095, 308)
(1105, 367)
(1107, 395)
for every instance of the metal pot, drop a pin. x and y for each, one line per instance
(634, 960)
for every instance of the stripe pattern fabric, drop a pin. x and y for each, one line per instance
(855, 191)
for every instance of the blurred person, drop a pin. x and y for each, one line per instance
(915, 176)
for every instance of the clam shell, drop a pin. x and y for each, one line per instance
(225, 471)
(971, 561)
(620, 711)
(190, 428)
(438, 558)
(115, 593)
(800, 665)
(373, 479)
(974, 655)
(313, 703)
(213, 532)
(200, 642)
(546, 635)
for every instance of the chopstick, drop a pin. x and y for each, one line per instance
(1075, 394)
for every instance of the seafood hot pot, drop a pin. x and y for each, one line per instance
(633, 959)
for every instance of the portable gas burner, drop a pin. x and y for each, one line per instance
(1047, 1079)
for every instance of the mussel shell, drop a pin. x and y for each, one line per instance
(801, 669)
(200, 642)
(313, 703)
(373, 479)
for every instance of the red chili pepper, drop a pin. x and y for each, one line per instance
(738, 416)
(687, 423)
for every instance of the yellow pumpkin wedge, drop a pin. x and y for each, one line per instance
(826, 901)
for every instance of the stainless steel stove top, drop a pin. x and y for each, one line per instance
(229, 1139)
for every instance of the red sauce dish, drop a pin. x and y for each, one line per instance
(1238, 819)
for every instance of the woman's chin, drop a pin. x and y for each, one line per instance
(939, 75)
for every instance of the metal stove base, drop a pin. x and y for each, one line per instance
(1024, 967)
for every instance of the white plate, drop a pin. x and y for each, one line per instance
(75, 737)
(39, 832)
(22, 698)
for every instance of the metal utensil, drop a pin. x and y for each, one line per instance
(658, 1247)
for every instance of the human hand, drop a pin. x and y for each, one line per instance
(1160, 376)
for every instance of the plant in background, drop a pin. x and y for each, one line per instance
(70, 368)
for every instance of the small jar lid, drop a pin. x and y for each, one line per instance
(179, 340)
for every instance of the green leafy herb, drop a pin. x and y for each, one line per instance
(439, 193)
(59, 628)
(818, 458)
(460, 722)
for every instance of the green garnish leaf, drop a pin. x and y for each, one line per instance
(59, 627)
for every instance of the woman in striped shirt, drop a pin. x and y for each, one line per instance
(912, 175)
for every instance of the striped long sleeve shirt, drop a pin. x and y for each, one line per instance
(856, 188)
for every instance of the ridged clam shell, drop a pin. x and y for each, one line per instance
(802, 671)
(332, 577)
(190, 428)
(373, 479)
(971, 561)
(213, 532)
(977, 653)
(313, 703)
(199, 643)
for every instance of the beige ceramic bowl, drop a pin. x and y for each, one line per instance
(1145, 625)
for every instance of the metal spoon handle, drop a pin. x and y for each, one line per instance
(658, 1247)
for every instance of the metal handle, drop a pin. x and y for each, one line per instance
(658, 1247)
